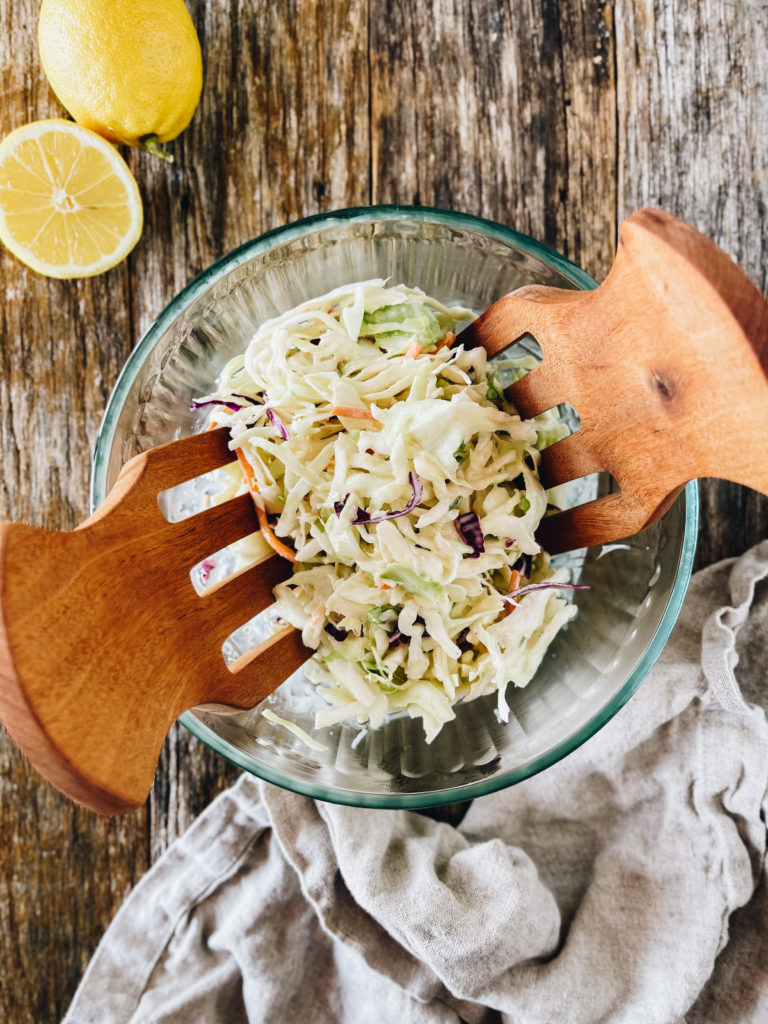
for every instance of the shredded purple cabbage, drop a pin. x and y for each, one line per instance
(278, 424)
(545, 586)
(470, 531)
(232, 406)
(362, 517)
(336, 632)
(523, 565)
(398, 639)
(509, 543)
(205, 569)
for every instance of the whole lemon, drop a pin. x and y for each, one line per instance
(130, 70)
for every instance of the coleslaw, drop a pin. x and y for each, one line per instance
(385, 461)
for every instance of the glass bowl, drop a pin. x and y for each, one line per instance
(595, 664)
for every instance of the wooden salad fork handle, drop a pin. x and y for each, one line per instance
(666, 364)
(104, 640)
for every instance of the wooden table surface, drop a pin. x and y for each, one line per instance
(557, 118)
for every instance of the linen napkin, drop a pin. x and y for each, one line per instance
(625, 885)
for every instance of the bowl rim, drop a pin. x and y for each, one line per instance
(288, 232)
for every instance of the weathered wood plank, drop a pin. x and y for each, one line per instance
(63, 871)
(590, 101)
(63, 874)
(692, 120)
(467, 110)
(500, 109)
(281, 133)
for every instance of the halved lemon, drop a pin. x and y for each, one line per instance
(69, 205)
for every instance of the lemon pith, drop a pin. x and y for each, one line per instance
(69, 205)
(127, 69)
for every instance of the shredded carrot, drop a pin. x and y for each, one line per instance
(352, 412)
(385, 586)
(261, 515)
(446, 341)
(316, 618)
(514, 583)
(212, 425)
(247, 468)
(414, 350)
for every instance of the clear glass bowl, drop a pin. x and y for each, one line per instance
(595, 664)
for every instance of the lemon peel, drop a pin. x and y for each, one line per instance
(130, 70)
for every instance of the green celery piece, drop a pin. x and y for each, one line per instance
(375, 614)
(412, 582)
(399, 678)
(406, 318)
(493, 394)
(392, 684)
(371, 666)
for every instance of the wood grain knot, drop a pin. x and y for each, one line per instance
(663, 385)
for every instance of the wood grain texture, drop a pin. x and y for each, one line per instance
(63, 872)
(677, 335)
(506, 110)
(557, 118)
(96, 734)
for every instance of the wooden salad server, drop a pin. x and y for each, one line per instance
(104, 640)
(666, 364)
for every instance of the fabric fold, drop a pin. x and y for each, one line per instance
(625, 884)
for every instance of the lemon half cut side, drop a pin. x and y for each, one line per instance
(69, 205)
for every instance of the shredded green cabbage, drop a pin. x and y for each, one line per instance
(407, 612)
(295, 729)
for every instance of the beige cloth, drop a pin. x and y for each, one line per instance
(624, 885)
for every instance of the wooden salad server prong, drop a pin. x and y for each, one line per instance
(666, 364)
(104, 640)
